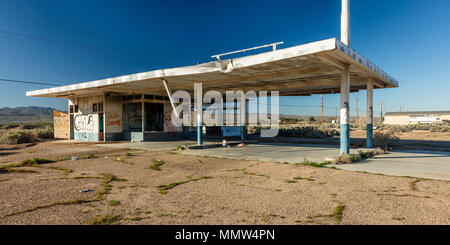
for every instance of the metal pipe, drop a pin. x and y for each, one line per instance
(345, 22)
(273, 45)
(169, 94)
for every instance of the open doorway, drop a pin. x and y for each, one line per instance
(154, 117)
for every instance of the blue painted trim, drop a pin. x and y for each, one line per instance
(87, 136)
(369, 136)
(243, 133)
(200, 135)
(345, 138)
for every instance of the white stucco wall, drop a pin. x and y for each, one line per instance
(85, 121)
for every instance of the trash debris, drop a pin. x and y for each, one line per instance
(86, 190)
(241, 145)
(224, 143)
(74, 158)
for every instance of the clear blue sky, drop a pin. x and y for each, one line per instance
(409, 39)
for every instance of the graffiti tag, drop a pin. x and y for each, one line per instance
(84, 122)
(167, 120)
(112, 118)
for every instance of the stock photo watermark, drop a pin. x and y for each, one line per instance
(253, 109)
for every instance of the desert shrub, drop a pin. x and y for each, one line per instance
(385, 140)
(366, 154)
(416, 127)
(17, 137)
(355, 157)
(45, 133)
(307, 132)
(35, 125)
(358, 143)
(9, 125)
(286, 120)
(28, 126)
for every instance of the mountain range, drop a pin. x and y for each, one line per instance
(26, 114)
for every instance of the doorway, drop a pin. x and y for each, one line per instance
(100, 127)
(154, 117)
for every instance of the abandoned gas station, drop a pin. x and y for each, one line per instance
(139, 107)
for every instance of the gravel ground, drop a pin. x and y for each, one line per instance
(208, 191)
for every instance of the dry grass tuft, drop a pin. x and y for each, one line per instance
(104, 220)
(156, 165)
(164, 188)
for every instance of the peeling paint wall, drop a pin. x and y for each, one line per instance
(122, 121)
(61, 125)
(85, 121)
(113, 118)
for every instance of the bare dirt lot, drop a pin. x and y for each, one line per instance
(142, 187)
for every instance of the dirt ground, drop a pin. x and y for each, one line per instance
(199, 190)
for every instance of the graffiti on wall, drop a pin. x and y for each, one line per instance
(112, 119)
(168, 120)
(84, 123)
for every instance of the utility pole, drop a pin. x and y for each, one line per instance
(357, 116)
(336, 114)
(381, 112)
(322, 106)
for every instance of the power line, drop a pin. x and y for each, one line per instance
(64, 42)
(28, 82)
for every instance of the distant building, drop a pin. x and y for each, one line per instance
(416, 117)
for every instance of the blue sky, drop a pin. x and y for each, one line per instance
(409, 39)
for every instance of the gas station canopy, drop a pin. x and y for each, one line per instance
(313, 68)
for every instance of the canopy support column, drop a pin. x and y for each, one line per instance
(198, 98)
(369, 113)
(142, 117)
(345, 110)
(243, 116)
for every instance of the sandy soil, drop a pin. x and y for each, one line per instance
(215, 191)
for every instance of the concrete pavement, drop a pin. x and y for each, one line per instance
(421, 164)
(272, 152)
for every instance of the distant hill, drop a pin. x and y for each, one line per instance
(26, 114)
